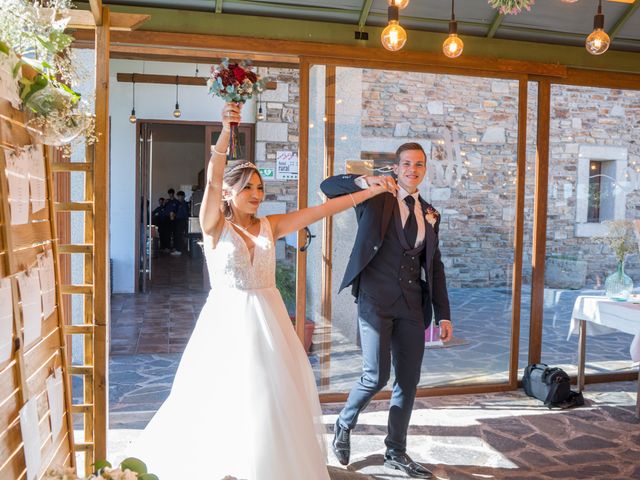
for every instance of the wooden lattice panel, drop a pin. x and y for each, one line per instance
(24, 376)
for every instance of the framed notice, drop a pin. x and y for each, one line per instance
(286, 165)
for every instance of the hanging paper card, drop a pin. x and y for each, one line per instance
(31, 438)
(18, 178)
(47, 282)
(29, 285)
(37, 182)
(56, 401)
(6, 320)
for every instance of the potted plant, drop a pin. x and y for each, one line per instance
(43, 72)
(620, 238)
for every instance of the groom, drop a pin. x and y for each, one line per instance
(396, 274)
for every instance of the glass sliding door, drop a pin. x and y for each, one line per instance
(594, 185)
(469, 128)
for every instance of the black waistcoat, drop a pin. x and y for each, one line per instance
(395, 269)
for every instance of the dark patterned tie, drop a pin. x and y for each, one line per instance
(411, 225)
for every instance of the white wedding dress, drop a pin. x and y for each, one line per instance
(244, 401)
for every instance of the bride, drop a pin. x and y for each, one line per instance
(244, 402)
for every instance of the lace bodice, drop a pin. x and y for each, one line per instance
(229, 263)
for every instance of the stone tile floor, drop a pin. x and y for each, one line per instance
(488, 436)
(161, 321)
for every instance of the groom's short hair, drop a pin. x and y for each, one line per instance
(409, 146)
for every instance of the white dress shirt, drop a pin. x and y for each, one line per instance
(404, 208)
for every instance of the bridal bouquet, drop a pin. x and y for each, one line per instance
(234, 82)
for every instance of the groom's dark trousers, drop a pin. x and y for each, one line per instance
(394, 304)
(398, 329)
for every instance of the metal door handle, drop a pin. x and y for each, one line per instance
(308, 241)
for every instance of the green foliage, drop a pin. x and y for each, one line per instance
(134, 464)
(286, 283)
(100, 464)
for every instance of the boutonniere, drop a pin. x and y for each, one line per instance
(432, 216)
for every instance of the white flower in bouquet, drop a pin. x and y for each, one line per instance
(60, 473)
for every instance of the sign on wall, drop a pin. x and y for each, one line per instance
(267, 173)
(286, 165)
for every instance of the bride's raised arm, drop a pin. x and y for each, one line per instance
(210, 210)
(284, 224)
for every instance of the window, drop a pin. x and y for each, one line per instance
(595, 184)
(600, 196)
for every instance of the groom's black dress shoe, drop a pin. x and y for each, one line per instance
(402, 461)
(342, 443)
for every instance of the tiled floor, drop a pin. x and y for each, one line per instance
(505, 436)
(160, 321)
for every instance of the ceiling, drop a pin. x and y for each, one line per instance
(549, 21)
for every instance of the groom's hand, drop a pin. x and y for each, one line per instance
(383, 182)
(446, 330)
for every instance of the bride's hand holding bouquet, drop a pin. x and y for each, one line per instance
(234, 83)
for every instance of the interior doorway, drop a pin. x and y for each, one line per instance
(171, 172)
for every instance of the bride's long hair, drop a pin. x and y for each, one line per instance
(235, 179)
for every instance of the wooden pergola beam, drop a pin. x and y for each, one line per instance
(171, 80)
(96, 10)
(364, 13)
(495, 24)
(85, 20)
(624, 18)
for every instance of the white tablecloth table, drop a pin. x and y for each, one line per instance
(597, 315)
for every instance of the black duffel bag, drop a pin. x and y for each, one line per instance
(551, 385)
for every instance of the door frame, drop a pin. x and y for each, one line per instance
(249, 129)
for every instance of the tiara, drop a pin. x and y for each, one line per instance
(242, 166)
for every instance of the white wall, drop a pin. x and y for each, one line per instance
(153, 102)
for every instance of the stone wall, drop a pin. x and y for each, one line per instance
(279, 130)
(471, 125)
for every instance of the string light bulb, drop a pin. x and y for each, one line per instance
(177, 113)
(132, 117)
(260, 115)
(401, 4)
(598, 41)
(393, 36)
(453, 45)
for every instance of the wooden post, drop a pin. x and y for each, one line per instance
(101, 240)
(327, 225)
(303, 189)
(540, 222)
(516, 288)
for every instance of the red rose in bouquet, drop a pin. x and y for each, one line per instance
(234, 82)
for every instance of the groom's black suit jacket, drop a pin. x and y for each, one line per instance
(374, 218)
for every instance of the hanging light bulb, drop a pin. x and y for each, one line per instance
(401, 4)
(393, 36)
(260, 115)
(598, 41)
(177, 112)
(453, 45)
(132, 117)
